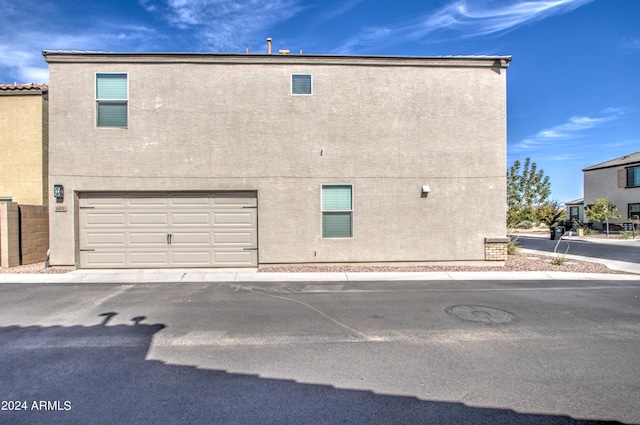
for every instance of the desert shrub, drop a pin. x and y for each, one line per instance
(513, 246)
(559, 260)
(526, 224)
(626, 234)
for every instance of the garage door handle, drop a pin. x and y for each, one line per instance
(169, 237)
(249, 207)
(87, 250)
(250, 249)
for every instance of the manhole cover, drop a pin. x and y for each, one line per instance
(481, 314)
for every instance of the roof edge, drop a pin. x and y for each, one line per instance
(207, 57)
(616, 162)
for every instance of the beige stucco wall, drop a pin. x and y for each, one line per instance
(603, 183)
(385, 128)
(23, 133)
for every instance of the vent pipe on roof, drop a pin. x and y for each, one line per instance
(269, 46)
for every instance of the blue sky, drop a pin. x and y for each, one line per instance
(573, 87)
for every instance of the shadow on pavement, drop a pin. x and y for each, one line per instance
(99, 374)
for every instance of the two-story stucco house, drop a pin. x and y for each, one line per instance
(230, 160)
(617, 180)
(24, 143)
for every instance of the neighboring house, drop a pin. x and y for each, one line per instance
(617, 180)
(23, 143)
(575, 210)
(24, 229)
(228, 160)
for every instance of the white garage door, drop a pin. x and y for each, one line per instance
(149, 230)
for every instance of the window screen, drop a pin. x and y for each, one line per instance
(112, 94)
(301, 84)
(337, 211)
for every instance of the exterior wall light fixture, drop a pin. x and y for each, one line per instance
(58, 192)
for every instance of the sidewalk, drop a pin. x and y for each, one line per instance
(253, 276)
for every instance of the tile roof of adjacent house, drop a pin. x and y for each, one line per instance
(623, 160)
(23, 88)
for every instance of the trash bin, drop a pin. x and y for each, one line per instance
(560, 230)
(553, 233)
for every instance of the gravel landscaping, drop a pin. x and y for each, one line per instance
(515, 263)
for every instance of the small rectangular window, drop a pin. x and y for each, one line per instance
(301, 84)
(574, 213)
(112, 98)
(633, 177)
(337, 211)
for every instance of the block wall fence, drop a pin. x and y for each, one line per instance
(24, 234)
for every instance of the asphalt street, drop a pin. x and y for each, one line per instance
(627, 250)
(456, 351)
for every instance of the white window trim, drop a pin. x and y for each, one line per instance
(96, 100)
(301, 94)
(322, 211)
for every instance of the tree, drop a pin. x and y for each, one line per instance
(527, 187)
(602, 210)
(550, 213)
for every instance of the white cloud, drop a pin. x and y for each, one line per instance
(572, 129)
(225, 24)
(346, 7)
(462, 19)
(631, 44)
(25, 32)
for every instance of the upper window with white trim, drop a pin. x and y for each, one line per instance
(301, 84)
(112, 99)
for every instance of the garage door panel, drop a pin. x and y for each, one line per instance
(102, 259)
(191, 219)
(102, 200)
(193, 258)
(149, 219)
(236, 259)
(233, 200)
(143, 201)
(187, 201)
(190, 239)
(102, 219)
(246, 238)
(138, 230)
(234, 219)
(91, 239)
(146, 258)
(137, 239)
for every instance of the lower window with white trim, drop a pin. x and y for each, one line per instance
(337, 211)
